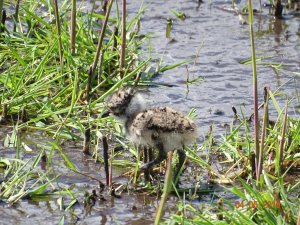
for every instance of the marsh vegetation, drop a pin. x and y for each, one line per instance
(62, 162)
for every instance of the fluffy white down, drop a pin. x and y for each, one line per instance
(142, 136)
(170, 140)
(136, 105)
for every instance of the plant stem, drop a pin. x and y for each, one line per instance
(110, 169)
(86, 141)
(4, 111)
(146, 156)
(281, 147)
(1, 8)
(105, 158)
(100, 41)
(263, 134)
(92, 72)
(255, 95)
(3, 20)
(123, 47)
(73, 27)
(167, 188)
(58, 31)
(16, 15)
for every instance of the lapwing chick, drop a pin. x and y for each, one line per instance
(163, 128)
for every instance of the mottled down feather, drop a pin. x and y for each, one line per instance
(163, 119)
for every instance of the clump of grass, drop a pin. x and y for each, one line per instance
(60, 80)
(271, 199)
(23, 177)
(43, 75)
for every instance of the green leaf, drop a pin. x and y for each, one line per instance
(67, 160)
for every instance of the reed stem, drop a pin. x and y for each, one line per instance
(105, 158)
(281, 147)
(263, 135)
(255, 95)
(100, 41)
(58, 32)
(1, 8)
(167, 189)
(16, 15)
(123, 46)
(73, 27)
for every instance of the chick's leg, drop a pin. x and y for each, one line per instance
(161, 156)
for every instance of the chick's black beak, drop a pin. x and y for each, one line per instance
(105, 114)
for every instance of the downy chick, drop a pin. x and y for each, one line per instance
(162, 128)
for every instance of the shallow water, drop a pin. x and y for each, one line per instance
(216, 42)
